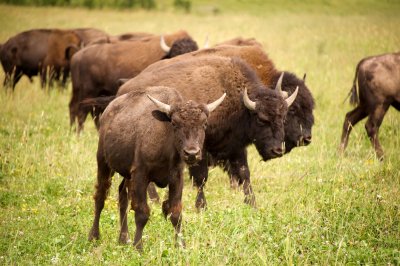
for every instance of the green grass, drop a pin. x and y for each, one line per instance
(313, 207)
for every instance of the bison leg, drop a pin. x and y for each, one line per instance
(351, 119)
(199, 173)
(123, 214)
(102, 187)
(173, 206)
(372, 126)
(82, 114)
(151, 190)
(138, 186)
(239, 170)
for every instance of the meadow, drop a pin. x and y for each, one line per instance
(313, 205)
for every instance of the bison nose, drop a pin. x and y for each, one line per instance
(307, 140)
(277, 151)
(192, 155)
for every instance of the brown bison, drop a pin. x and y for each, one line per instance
(254, 119)
(96, 70)
(38, 51)
(378, 79)
(145, 145)
(299, 120)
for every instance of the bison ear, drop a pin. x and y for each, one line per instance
(304, 77)
(160, 116)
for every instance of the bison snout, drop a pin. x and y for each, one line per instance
(277, 151)
(307, 140)
(191, 156)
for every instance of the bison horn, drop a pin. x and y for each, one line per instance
(163, 107)
(292, 97)
(211, 106)
(247, 102)
(206, 43)
(163, 45)
(278, 87)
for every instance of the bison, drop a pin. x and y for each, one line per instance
(300, 118)
(38, 51)
(96, 70)
(378, 80)
(258, 119)
(148, 141)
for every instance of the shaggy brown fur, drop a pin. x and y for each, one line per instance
(96, 69)
(138, 143)
(38, 51)
(232, 127)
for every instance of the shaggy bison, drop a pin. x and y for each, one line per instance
(148, 139)
(96, 70)
(256, 118)
(378, 79)
(38, 51)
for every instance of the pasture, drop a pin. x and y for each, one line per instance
(313, 206)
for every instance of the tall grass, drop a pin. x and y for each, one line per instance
(313, 207)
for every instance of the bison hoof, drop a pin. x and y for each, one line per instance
(124, 238)
(201, 204)
(180, 243)
(250, 200)
(94, 235)
(139, 246)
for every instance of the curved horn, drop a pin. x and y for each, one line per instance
(211, 106)
(247, 102)
(163, 45)
(163, 107)
(206, 43)
(278, 87)
(292, 97)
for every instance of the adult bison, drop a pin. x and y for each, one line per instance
(38, 51)
(300, 119)
(242, 120)
(145, 146)
(96, 70)
(378, 79)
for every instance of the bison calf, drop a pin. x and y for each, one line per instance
(146, 140)
(378, 80)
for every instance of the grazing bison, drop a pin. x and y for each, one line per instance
(143, 145)
(242, 120)
(378, 79)
(96, 70)
(39, 51)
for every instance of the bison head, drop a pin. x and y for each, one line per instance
(268, 111)
(189, 122)
(181, 46)
(300, 118)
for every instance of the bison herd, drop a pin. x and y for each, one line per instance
(159, 103)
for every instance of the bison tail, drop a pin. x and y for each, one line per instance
(100, 103)
(354, 99)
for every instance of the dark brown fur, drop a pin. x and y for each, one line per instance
(96, 70)
(232, 127)
(378, 79)
(142, 148)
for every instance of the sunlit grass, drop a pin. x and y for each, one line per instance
(313, 207)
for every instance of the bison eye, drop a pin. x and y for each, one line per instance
(261, 122)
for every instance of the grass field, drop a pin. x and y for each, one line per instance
(313, 206)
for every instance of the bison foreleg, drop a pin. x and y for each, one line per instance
(137, 188)
(199, 173)
(175, 206)
(102, 187)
